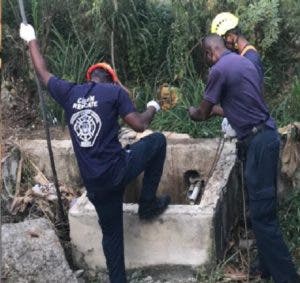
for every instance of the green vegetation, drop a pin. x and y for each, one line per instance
(153, 42)
(290, 222)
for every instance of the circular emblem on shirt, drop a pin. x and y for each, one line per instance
(86, 125)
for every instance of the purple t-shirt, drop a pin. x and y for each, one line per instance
(92, 112)
(234, 82)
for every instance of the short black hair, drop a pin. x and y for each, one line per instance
(102, 75)
(212, 41)
(236, 31)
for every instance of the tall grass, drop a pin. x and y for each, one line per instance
(177, 119)
(287, 110)
(290, 220)
(153, 43)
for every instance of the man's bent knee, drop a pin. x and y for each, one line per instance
(159, 139)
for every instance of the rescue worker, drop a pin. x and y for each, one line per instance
(226, 25)
(235, 83)
(92, 110)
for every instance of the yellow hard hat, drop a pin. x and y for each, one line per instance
(223, 22)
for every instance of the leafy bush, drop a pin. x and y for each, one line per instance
(152, 42)
(287, 109)
(260, 21)
(290, 220)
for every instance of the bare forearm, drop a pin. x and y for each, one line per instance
(202, 112)
(140, 121)
(196, 114)
(217, 111)
(146, 118)
(39, 62)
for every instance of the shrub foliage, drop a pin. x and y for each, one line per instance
(152, 42)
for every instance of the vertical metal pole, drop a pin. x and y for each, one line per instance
(60, 210)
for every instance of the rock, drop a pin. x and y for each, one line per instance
(31, 252)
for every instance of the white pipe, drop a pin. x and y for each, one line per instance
(193, 196)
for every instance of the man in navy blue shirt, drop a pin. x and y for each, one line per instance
(92, 110)
(235, 83)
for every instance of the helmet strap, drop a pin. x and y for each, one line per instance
(236, 46)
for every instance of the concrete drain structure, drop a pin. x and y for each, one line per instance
(185, 235)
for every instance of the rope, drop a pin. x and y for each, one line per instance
(216, 158)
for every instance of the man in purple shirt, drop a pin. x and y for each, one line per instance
(92, 110)
(235, 83)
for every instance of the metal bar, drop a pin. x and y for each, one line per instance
(60, 211)
(22, 11)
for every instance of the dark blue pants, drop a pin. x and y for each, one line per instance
(260, 175)
(146, 155)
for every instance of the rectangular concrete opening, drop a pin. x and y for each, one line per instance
(188, 162)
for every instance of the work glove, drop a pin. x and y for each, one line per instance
(228, 131)
(154, 104)
(27, 32)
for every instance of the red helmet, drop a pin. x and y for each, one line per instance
(105, 67)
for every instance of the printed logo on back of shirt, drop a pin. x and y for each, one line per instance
(86, 124)
(83, 103)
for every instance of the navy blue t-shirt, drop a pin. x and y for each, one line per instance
(92, 112)
(235, 83)
(254, 57)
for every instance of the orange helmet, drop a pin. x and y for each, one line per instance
(106, 67)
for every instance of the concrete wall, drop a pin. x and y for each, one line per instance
(184, 235)
(181, 236)
(198, 156)
(64, 158)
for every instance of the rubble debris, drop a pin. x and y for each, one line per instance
(39, 192)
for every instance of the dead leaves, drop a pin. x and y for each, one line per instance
(40, 197)
(290, 160)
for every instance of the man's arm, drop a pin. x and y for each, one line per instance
(139, 122)
(217, 110)
(39, 62)
(28, 34)
(202, 112)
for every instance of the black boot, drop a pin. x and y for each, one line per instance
(151, 209)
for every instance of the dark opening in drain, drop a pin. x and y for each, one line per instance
(193, 185)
